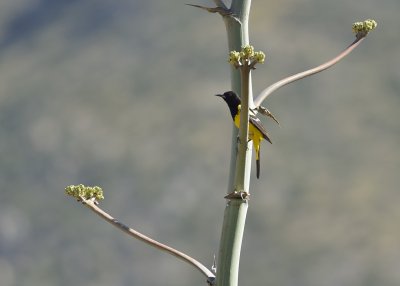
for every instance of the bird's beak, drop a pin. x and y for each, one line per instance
(220, 95)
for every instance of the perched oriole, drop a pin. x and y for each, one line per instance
(257, 131)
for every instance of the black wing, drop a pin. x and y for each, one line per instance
(257, 123)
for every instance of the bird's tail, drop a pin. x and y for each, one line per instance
(257, 150)
(258, 163)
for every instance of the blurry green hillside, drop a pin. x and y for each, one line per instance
(120, 94)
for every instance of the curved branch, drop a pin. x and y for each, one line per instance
(182, 256)
(266, 92)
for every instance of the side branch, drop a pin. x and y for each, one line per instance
(266, 92)
(220, 9)
(223, 10)
(182, 256)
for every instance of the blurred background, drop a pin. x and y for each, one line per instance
(120, 94)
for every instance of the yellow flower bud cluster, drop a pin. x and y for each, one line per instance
(81, 191)
(361, 29)
(246, 57)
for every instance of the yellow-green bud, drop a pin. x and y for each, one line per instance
(234, 57)
(357, 27)
(259, 57)
(248, 51)
(370, 24)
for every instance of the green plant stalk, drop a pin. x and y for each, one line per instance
(239, 175)
(231, 242)
(238, 36)
(243, 166)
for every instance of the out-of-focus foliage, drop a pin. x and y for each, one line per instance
(120, 94)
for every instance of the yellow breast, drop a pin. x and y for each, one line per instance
(254, 133)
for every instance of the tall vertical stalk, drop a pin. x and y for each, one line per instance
(239, 175)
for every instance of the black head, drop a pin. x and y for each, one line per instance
(232, 100)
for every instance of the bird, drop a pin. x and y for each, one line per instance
(257, 131)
